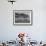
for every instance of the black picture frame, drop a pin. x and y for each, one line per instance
(22, 17)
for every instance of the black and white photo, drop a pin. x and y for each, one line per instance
(22, 16)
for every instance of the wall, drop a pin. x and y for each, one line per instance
(37, 31)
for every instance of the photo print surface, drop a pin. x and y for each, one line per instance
(22, 17)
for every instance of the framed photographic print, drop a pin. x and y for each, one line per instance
(22, 17)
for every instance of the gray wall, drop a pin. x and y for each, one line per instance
(38, 30)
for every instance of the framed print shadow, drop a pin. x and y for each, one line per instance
(22, 17)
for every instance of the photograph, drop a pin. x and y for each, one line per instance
(22, 16)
